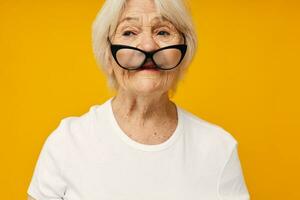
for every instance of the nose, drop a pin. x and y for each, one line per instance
(147, 43)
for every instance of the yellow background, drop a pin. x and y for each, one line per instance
(245, 78)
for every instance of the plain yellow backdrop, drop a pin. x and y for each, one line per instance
(245, 78)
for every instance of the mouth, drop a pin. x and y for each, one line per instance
(149, 66)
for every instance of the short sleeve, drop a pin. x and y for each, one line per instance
(232, 185)
(47, 182)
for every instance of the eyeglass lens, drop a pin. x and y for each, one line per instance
(165, 59)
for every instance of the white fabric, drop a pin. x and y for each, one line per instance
(89, 157)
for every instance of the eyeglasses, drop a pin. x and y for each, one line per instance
(132, 58)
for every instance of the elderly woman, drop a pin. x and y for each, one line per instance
(139, 145)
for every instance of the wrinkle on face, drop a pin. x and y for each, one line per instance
(143, 16)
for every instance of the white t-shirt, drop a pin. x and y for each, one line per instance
(89, 157)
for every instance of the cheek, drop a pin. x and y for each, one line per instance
(120, 74)
(169, 78)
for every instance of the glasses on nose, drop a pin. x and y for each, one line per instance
(132, 58)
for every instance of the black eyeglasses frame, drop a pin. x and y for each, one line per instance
(116, 47)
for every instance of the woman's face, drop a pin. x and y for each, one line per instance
(142, 27)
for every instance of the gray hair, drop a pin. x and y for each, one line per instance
(106, 23)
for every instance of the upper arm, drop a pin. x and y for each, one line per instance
(232, 183)
(30, 198)
(47, 181)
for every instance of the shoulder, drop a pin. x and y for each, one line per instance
(207, 133)
(72, 129)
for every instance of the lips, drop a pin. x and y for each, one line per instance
(149, 65)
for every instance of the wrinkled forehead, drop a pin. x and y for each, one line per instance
(143, 19)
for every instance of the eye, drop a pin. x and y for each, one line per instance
(127, 33)
(163, 33)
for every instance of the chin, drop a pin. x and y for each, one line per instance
(148, 86)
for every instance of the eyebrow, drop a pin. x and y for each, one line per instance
(137, 19)
(160, 18)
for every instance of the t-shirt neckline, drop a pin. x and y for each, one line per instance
(145, 147)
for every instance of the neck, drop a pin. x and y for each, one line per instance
(143, 110)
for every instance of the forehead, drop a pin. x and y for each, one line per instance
(140, 6)
(142, 11)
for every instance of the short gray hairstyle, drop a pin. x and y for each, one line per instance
(106, 21)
